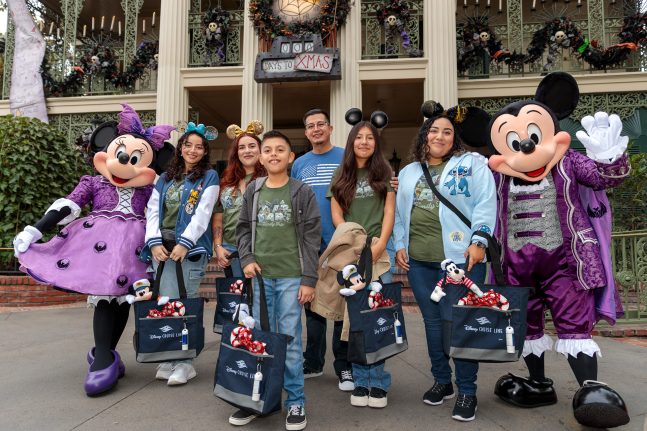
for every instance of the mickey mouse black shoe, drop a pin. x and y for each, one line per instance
(597, 405)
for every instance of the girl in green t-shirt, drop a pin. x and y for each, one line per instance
(361, 193)
(243, 166)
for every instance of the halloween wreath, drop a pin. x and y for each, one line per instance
(215, 24)
(100, 60)
(561, 32)
(268, 25)
(394, 15)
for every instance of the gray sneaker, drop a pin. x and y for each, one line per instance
(296, 419)
(241, 417)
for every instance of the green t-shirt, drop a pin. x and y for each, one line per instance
(425, 233)
(367, 208)
(229, 205)
(276, 248)
(172, 204)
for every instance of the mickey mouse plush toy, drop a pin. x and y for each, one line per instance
(98, 254)
(548, 242)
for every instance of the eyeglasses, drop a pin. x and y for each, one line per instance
(318, 125)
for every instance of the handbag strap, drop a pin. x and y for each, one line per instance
(442, 198)
(493, 252)
(229, 273)
(179, 275)
(365, 263)
(264, 317)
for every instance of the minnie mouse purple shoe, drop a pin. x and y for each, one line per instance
(122, 367)
(97, 382)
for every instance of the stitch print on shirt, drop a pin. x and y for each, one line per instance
(275, 213)
(457, 182)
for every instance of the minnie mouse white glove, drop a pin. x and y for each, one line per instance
(601, 137)
(24, 239)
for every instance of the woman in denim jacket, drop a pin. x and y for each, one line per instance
(426, 232)
(178, 227)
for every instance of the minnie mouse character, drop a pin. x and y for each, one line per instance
(99, 254)
(549, 243)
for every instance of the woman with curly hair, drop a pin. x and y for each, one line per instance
(243, 166)
(178, 227)
(427, 232)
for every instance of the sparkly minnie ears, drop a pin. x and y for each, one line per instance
(207, 132)
(254, 127)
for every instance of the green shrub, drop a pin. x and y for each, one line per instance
(629, 199)
(37, 166)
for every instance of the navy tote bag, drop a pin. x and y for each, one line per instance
(227, 300)
(237, 367)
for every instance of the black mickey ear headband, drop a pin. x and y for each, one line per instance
(106, 132)
(469, 122)
(378, 118)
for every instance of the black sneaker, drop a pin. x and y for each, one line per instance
(377, 398)
(346, 382)
(309, 372)
(296, 419)
(359, 397)
(241, 417)
(438, 393)
(465, 408)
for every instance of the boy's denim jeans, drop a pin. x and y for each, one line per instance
(374, 375)
(423, 277)
(284, 312)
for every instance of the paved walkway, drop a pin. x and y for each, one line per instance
(43, 353)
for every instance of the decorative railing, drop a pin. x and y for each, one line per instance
(208, 46)
(394, 38)
(107, 55)
(599, 22)
(629, 258)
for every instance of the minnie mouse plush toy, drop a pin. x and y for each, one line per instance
(550, 243)
(99, 254)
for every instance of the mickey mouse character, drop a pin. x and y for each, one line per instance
(99, 254)
(351, 280)
(548, 240)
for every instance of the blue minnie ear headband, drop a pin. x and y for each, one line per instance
(208, 132)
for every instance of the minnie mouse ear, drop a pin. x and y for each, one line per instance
(558, 91)
(431, 108)
(163, 157)
(103, 135)
(473, 130)
(379, 119)
(353, 116)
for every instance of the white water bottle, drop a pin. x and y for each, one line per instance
(258, 378)
(185, 338)
(398, 330)
(509, 340)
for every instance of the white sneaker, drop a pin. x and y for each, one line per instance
(346, 382)
(164, 371)
(182, 373)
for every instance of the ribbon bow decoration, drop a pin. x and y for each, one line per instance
(207, 132)
(254, 127)
(129, 122)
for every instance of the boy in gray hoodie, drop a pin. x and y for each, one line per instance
(278, 236)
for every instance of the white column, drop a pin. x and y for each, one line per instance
(172, 97)
(440, 50)
(256, 98)
(347, 93)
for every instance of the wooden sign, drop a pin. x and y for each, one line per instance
(298, 58)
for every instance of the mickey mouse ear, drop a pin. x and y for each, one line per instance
(379, 119)
(431, 108)
(102, 136)
(560, 92)
(353, 116)
(210, 133)
(473, 130)
(163, 157)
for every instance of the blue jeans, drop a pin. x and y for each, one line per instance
(284, 312)
(423, 277)
(192, 270)
(234, 264)
(374, 375)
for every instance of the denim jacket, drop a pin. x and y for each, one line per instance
(193, 225)
(467, 182)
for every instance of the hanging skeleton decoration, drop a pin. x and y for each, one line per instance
(215, 22)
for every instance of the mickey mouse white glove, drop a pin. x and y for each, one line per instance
(24, 239)
(346, 291)
(601, 137)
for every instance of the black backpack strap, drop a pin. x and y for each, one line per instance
(365, 263)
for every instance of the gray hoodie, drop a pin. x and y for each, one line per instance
(306, 218)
